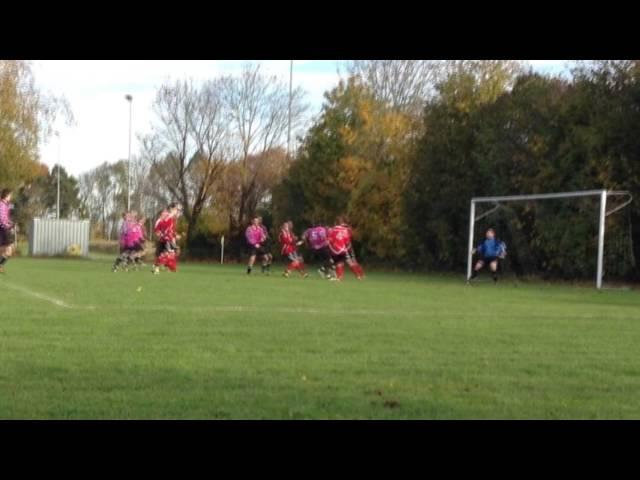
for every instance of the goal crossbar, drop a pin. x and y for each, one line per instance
(603, 194)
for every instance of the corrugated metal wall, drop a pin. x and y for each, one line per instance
(53, 237)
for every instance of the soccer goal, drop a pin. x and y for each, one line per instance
(498, 202)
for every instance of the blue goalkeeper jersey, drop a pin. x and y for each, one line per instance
(491, 248)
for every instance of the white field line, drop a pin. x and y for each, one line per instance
(56, 301)
(358, 312)
(255, 309)
(311, 311)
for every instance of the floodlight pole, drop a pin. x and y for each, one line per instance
(129, 99)
(603, 214)
(290, 98)
(57, 134)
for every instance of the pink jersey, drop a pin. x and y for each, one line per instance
(136, 233)
(5, 218)
(316, 237)
(127, 235)
(255, 235)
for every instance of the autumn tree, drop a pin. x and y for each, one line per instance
(187, 148)
(403, 85)
(26, 120)
(258, 109)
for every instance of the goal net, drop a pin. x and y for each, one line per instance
(567, 235)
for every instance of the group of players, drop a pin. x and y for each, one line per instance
(132, 240)
(332, 246)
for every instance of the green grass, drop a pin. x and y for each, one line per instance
(210, 343)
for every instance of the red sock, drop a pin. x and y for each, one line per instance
(360, 271)
(172, 263)
(293, 266)
(354, 269)
(340, 270)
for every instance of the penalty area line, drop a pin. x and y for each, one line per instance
(55, 301)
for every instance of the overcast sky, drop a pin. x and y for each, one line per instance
(96, 89)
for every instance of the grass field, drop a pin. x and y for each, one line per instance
(77, 341)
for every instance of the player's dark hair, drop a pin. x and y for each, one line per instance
(341, 220)
(172, 205)
(5, 193)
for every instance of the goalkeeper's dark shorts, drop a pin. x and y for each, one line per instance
(490, 259)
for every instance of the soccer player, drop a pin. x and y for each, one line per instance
(341, 249)
(165, 230)
(6, 228)
(125, 243)
(266, 248)
(317, 241)
(289, 250)
(137, 240)
(256, 236)
(491, 250)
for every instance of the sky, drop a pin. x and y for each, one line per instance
(96, 89)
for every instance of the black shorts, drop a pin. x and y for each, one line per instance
(165, 247)
(138, 247)
(322, 254)
(348, 256)
(489, 259)
(262, 250)
(6, 237)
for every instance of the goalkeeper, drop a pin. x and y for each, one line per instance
(490, 250)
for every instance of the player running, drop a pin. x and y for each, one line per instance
(341, 250)
(491, 250)
(137, 240)
(124, 258)
(165, 230)
(256, 236)
(316, 239)
(266, 248)
(290, 244)
(6, 228)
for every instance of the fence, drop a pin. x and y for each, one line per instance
(53, 237)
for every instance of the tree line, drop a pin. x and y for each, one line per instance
(405, 171)
(400, 147)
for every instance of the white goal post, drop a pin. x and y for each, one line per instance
(603, 194)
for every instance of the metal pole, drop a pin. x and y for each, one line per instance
(130, 100)
(58, 194)
(472, 222)
(603, 213)
(222, 251)
(290, 99)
